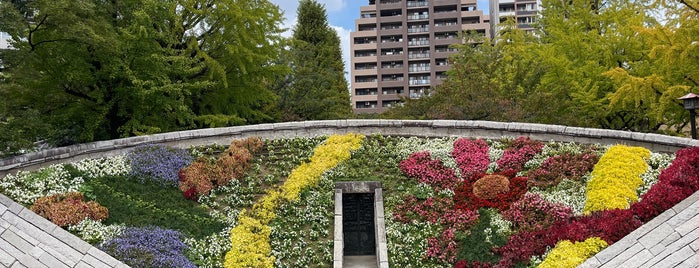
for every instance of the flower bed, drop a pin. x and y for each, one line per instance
(449, 202)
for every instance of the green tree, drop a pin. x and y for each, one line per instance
(317, 87)
(106, 69)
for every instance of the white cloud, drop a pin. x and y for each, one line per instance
(345, 45)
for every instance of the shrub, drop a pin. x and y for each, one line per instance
(158, 163)
(68, 209)
(572, 254)
(490, 186)
(534, 213)
(149, 247)
(615, 178)
(426, 170)
(465, 198)
(471, 156)
(202, 176)
(564, 166)
(518, 153)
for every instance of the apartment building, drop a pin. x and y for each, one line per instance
(400, 48)
(525, 13)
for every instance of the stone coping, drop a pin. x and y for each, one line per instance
(29, 240)
(418, 128)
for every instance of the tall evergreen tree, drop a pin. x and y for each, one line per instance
(318, 88)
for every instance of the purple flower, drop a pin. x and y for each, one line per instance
(148, 247)
(158, 163)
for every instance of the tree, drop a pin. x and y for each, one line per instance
(317, 87)
(107, 69)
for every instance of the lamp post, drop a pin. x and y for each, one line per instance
(691, 102)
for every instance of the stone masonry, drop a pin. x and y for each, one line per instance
(28, 240)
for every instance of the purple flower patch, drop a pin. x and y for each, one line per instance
(149, 247)
(158, 163)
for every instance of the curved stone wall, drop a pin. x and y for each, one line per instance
(28, 239)
(420, 128)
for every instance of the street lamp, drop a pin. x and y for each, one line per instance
(691, 102)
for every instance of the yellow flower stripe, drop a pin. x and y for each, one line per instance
(250, 238)
(615, 178)
(569, 254)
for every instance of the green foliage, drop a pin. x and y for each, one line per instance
(94, 70)
(317, 88)
(135, 203)
(593, 64)
(482, 237)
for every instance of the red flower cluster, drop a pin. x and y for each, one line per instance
(610, 225)
(202, 175)
(68, 209)
(466, 199)
(434, 210)
(534, 213)
(559, 167)
(471, 156)
(426, 170)
(518, 153)
(675, 183)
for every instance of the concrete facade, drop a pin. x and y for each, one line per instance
(400, 48)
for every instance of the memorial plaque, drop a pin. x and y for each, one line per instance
(358, 224)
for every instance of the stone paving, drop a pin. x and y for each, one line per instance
(669, 240)
(29, 240)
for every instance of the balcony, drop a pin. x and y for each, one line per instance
(419, 55)
(419, 17)
(414, 43)
(418, 29)
(417, 4)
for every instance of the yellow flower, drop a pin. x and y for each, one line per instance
(615, 178)
(569, 254)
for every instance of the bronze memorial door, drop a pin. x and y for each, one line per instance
(358, 224)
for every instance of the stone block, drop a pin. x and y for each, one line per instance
(6, 201)
(102, 256)
(37, 220)
(337, 264)
(688, 226)
(60, 247)
(52, 262)
(72, 240)
(590, 263)
(95, 263)
(338, 233)
(615, 249)
(30, 239)
(338, 201)
(676, 258)
(64, 259)
(683, 216)
(338, 250)
(616, 261)
(656, 235)
(6, 259)
(382, 252)
(691, 262)
(639, 259)
(17, 241)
